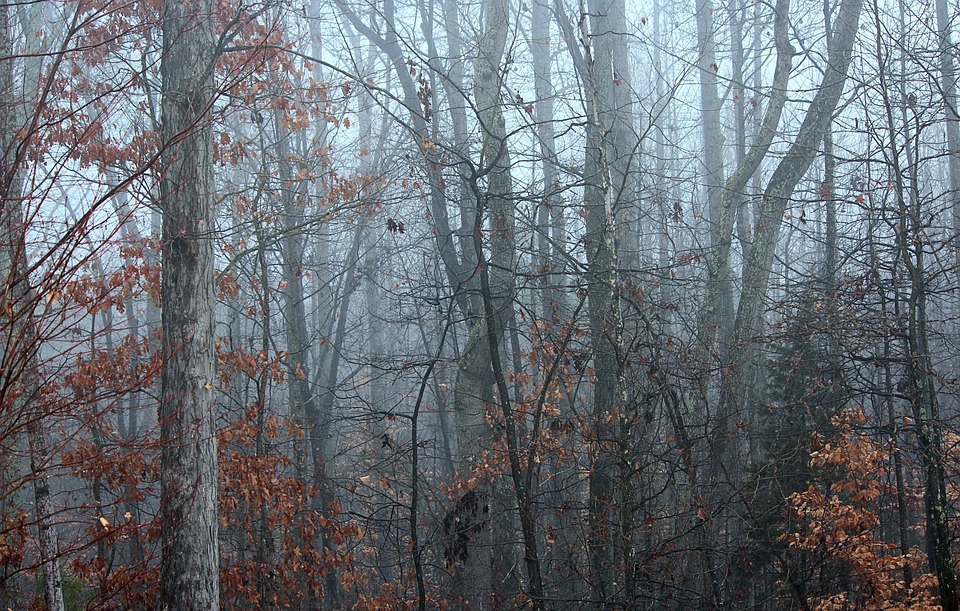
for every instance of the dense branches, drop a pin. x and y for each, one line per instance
(346, 304)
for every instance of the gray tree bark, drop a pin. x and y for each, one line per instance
(718, 213)
(718, 260)
(554, 307)
(189, 571)
(550, 219)
(776, 197)
(607, 170)
(828, 187)
(597, 77)
(714, 321)
(948, 86)
(483, 352)
(315, 411)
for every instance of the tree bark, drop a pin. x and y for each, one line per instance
(718, 261)
(497, 291)
(189, 572)
(550, 219)
(718, 212)
(776, 197)
(948, 86)
(921, 389)
(605, 172)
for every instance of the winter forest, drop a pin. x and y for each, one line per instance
(481, 304)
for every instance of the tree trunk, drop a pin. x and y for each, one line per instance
(554, 307)
(189, 572)
(550, 219)
(948, 87)
(921, 390)
(714, 320)
(828, 187)
(497, 278)
(21, 358)
(264, 548)
(770, 218)
(718, 261)
(713, 175)
(606, 322)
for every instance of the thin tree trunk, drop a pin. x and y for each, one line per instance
(828, 187)
(550, 219)
(554, 309)
(911, 242)
(264, 545)
(888, 387)
(713, 174)
(18, 302)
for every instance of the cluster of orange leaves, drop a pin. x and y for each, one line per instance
(233, 361)
(262, 498)
(110, 374)
(841, 522)
(126, 576)
(261, 490)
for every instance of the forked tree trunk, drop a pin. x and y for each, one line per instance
(718, 260)
(776, 197)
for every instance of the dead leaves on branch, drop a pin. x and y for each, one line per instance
(840, 524)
